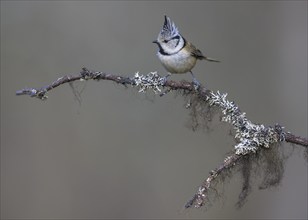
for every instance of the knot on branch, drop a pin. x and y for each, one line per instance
(41, 94)
(280, 132)
(87, 74)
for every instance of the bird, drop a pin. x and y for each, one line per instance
(176, 54)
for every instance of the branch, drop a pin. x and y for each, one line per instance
(201, 196)
(250, 137)
(87, 74)
(291, 138)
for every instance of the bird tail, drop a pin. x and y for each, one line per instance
(210, 59)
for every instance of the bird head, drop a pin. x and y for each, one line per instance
(169, 39)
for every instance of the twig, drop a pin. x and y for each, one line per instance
(201, 196)
(291, 138)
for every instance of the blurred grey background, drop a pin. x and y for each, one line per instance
(121, 154)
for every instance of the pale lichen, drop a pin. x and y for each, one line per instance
(38, 93)
(250, 136)
(151, 81)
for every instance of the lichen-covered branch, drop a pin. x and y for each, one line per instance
(201, 196)
(250, 137)
(151, 81)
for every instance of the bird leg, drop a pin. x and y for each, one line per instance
(195, 81)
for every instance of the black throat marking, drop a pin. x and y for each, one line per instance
(162, 52)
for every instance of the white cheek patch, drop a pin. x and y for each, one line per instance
(173, 46)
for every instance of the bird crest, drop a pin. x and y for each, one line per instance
(169, 29)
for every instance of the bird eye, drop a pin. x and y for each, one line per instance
(165, 41)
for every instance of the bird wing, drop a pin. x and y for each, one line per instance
(198, 54)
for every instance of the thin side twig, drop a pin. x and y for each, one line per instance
(201, 195)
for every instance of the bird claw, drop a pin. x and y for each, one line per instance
(164, 79)
(196, 84)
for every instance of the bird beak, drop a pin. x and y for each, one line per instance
(155, 42)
